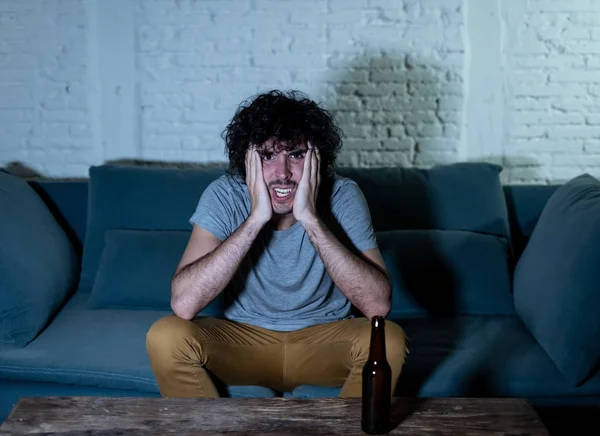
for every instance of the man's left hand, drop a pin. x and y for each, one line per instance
(305, 201)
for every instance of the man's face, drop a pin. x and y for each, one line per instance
(282, 171)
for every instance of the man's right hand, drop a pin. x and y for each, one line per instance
(262, 210)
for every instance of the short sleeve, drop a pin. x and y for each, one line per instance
(214, 211)
(349, 206)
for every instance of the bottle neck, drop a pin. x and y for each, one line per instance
(377, 348)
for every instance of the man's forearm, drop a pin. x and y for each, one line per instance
(366, 286)
(198, 283)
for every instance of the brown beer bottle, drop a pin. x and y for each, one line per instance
(377, 383)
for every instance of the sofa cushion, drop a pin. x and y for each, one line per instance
(447, 272)
(461, 196)
(463, 355)
(525, 204)
(481, 356)
(38, 264)
(123, 197)
(136, 268)
(69, 203)
(556, 288)
(95, 348)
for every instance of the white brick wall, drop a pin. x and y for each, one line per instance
(411, 82)
(199, 60)
(552, 64)
(44, 110)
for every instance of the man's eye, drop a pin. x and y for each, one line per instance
(267, 156)
(297, 155)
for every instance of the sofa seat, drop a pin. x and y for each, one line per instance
(458, 356)
(475, 356)
(484, 356)
(95, 348)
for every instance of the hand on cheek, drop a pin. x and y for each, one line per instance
(259, 195)
(306, 196)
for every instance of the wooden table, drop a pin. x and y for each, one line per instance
(273, 416)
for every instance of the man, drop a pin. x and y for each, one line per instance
(292, 247)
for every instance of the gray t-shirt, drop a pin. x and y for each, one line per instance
(282, 283)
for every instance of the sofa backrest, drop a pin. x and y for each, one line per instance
(69, 202)
(433, 214)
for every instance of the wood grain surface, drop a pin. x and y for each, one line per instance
(273, 416)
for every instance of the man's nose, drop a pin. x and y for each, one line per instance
(284, 171)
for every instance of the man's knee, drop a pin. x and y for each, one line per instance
(396, 343)
(167, 336)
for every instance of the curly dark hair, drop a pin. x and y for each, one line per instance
(289, 118)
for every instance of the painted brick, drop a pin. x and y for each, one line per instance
(395, 74)
(553, 115)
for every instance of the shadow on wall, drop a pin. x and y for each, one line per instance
(397, 110)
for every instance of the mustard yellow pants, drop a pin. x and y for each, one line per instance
(184, 355)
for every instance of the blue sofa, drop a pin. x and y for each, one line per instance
(452, 237)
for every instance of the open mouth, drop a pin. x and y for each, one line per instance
(282, 193)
